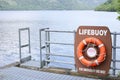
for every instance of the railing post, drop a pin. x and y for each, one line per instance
(40, 48)
(114, 53)
(49, 43)
(47, 47)
(20, 45)
(29, 40)
(74, 50)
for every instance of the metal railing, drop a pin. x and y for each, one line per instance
(24, 45)
(114, 53)
(42, 62)
(114, 47)
(47, 47)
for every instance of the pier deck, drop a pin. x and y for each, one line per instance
(16, 73)
(31, 63)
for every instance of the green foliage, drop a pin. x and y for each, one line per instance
(110, 5)
(49, 4)
(118, 9)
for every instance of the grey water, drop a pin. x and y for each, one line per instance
(11, 21)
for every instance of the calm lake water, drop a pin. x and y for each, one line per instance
(11, 21)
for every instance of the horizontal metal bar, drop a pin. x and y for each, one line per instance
(115, 46)
(60, 31)
(112, 33)
(24, 45)
(50, 42)
(60, 62)
(115, 33)
(44, 47)
(25, 59)
(116, 60)
(23, 29)
(43, 29)
(115, 68)
(53, 54)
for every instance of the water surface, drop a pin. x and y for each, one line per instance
(11, 21)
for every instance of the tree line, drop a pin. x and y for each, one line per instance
(118, 9)
(110, 5)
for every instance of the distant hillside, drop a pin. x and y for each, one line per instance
(49, 4)
(110, 5)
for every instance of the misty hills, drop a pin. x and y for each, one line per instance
(49, 4)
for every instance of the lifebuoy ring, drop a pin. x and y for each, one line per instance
(101, 56)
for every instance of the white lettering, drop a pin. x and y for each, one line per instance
(105, 32)
(93, 32)
(88, 31)
(92, 70)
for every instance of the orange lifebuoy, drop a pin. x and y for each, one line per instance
(100, 58)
